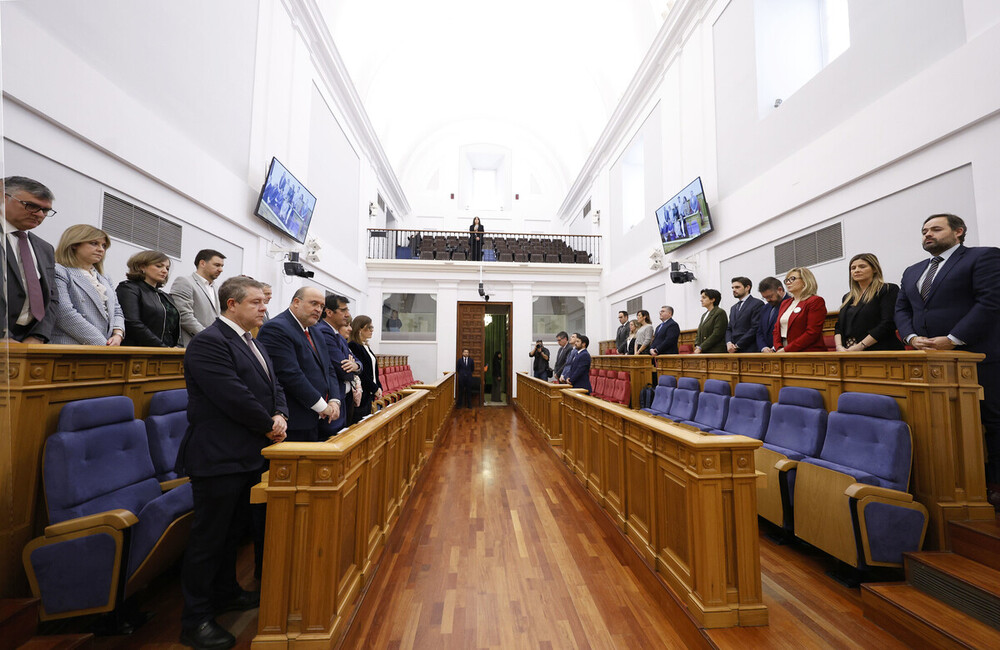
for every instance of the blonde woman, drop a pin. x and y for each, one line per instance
(88, 312)
(799, 327)
(866, 319)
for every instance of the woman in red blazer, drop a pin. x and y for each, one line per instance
(799, 327)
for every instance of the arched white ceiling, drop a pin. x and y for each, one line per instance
(540, 77)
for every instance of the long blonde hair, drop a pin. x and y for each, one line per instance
(859, 296)
(810, 286)
(76, 235)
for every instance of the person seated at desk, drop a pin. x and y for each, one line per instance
(88, 312)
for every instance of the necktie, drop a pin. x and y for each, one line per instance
(253, 348)
(925, 288)
(36, 302)
(739, 306)
(310, 339)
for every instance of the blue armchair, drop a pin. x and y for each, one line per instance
(713, 405)
(749, 412)
(165, 428)
(663, 395)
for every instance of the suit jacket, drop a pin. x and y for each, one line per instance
(621, 337)
(875, 317)
(805, 326)
(964, 301)
(711, 337)
(579, 374)
(147, 321)
(570, 358)
(765, 327)
(561, 357)
(303, 372)
(665, 337)
(464, 370)
(369, 369)
(337, 351)
(82, 316)
(17, 293)
(743, 321)
(231, 401)
(192, 300)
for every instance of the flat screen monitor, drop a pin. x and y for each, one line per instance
(684, 217)
(285, 203)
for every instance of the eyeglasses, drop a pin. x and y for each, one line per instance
(790, 279)
(33, 207)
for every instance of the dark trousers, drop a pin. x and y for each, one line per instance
(222, 516)
(465, 394)
(989, 407)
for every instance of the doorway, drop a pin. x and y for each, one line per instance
(484, 328)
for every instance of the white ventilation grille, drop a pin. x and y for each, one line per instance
(823, 245)
(131, 223)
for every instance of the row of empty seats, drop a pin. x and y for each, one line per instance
(395, 378)
(118, 514)
(836, 480)
(611, 386)
(502, 249)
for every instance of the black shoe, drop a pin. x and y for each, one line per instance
(208, 636)
(247, 600)
(993, 495)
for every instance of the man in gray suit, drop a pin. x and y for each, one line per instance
(196, 296)
(31, 298)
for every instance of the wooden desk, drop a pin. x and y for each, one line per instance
(330, 508)
(42, 379)
(938, 395)
(541, 402)
(686, 501)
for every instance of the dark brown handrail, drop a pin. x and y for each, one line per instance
(396, 243)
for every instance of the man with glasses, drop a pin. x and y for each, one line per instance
(31, 262)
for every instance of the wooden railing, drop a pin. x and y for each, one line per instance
(540, 401)
(42, 379)
(330, 508)
(938, 394)
(389, 244)
(686, 501)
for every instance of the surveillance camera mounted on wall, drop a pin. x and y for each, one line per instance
(677, 276)
(294, 267)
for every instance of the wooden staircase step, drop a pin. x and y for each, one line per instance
(923, 621)
(978, 540)
(18, 621)
(957, 581)
(59, 642)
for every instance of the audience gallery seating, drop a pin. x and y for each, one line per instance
(503, 249)
(112, 525)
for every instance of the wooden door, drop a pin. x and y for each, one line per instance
(472, 335)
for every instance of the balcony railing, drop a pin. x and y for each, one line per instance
(457, 245)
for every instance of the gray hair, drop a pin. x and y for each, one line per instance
(32, 187)
(237, 288)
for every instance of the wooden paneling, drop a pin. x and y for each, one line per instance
(938, 395)
(330, 507)
(540, 402)
(472, 335)
(640, 368)
(42, 379)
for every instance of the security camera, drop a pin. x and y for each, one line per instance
(677, 276)
(294, 267)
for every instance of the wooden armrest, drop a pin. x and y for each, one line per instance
(861, 490)
(785, 464)
(117, 519)
(166, 486)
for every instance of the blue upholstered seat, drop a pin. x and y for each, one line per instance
(663, 395)
(165, 427)
(749, 412)
(713, 406)
(114, 520)
(685, 402)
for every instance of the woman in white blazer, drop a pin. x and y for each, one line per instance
(88, 312)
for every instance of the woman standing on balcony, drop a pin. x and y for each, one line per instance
(476, 240)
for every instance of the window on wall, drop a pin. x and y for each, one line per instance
(795, 39)
(633, 184)
(553, 314)
(484, 189)
(409, 317)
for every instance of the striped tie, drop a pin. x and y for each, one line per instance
(925, 287)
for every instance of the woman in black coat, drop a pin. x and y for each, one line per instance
(476, 240)
(361, 331)
(866, 320)
(151, 319)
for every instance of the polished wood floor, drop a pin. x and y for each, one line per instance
(501, 549)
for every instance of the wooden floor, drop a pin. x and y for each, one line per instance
(502, 550)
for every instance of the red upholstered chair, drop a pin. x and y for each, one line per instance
(830, 343)
(624, 394)
(685, 348)
(601, 389)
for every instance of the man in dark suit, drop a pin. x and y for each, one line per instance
(573, 351)
(31, 297)
(303, 367)
(952, 301)
(463, 369)
(621, 336)
(773, 292)
(579, 373)
(666, 334)
(337, 314)
(235, 408)
(563, 340)
(744, 317)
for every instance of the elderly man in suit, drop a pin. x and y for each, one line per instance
(772, 290)
(666, 334)
(951, 300)
(744, 317)
(235, 408)
(303, 366)
(196, 296)
(31, 297)
(579, 371)
(464, 368)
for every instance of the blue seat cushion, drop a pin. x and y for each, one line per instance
(154, 518)
(859, 476)
(790, 454)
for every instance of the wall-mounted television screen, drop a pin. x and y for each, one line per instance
(285, 202)
(684, 218)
